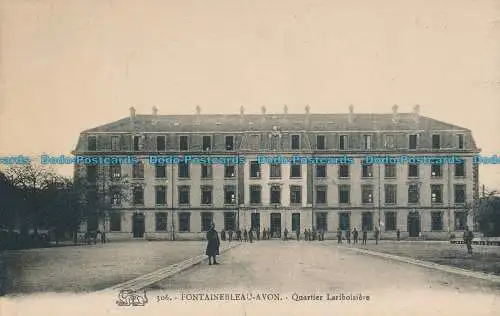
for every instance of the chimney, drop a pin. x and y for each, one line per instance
(242, 110)
(285, 112)
(132, 112)
(308, 115)
(351, 114)
(263, 110)
(155, 110)
(395, 113)
(416, 113)
(198, 110)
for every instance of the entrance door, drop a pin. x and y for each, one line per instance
(276, 225)
(138, 225)
(413, 224)
(256, 221)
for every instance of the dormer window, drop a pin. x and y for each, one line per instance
(92, 143)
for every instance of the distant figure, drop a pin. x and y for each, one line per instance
(348, 236)
(98, 236)
(306, 234)
(238, 234)
(213, 244)
(339, 236)
(258, 233)
(245, 235)
(231, 235)
(322, 234)
(355, 235)
(468, 237)
(398, 234)
(250, 235)
(223, 235)
(314, 234)
(285, 233)
(377, 235)
(297, 233)
(365, 236)
(103, 237)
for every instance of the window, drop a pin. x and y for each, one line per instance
(183, 143)
(367, 142)
(184, 195)
(255, 221)
(436, 193)
(295, 142)
(229, 142)
(390, 221)
(436, 171)
(161, 195)
(161, 143)
(460, 141)
(207, 143)
(92, 143)
(275, 170)
(91, 174)
(436, 221)
(412, 142)
(295, 171)
(389, 141)
(206, 195)
(207, 218)
(137, 142)
(229, 221)
(460, 220)
(436, 141)
(184, 221)
(160, 171)
(412, 170)
(322, 221)
(345, 221)
(183, 171)
(367, 221)
(366, 193)
(459, 193)
(320, 142)
(295, 222)
(206, 171)
(321, 171)
(275, 194)
(138, 170)
(115, 143)
(367, 171)
(390, 171)
(343, 171)
(138, 195)
(116, 196)
(255, 191)
(344, 194)
(295, 194)
(115, 172)
(229, 194)
(343, 142)
(321, 197)
(115, 222)
(229, 171)
(460, 169)
(390, 193)
(254, 169)
(413, 193)
(161, 221)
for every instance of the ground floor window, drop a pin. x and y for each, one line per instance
(322, 221)
(367, 221)
(344, 221)
(295, 221)
(161, 221)
(207, 218)
(184, 221)
(460, 220)
(437, 221)
(255, 221)
(229, 221)
(115, 222)
(390, 221)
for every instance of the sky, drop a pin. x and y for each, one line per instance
(69, 65)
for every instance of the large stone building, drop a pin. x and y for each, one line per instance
(298, 191)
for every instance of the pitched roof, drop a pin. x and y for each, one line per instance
(291, 122)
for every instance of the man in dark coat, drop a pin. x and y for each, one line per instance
(468, 237)
(348, 236)
(245, 235)
(223, 235)
(297, 232)
(365, 236)
(231, 235)
(339, 236)
(355, 235)
(398, 234)
(213, 244)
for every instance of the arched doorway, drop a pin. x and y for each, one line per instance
(413, 224)
(138, 225)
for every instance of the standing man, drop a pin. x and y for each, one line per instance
(297, 233)
(468, 237)
(285, 232)
(339, 236)
(348, 236)
(355, 235)
(365, 236)
(377, 235)
(398, 234)
(238, 234)
(245, 235)
(230, 235)
(223, 235)
(250, 235)
(213, 244)
(258, 233)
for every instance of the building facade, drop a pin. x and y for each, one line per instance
(277, 171)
